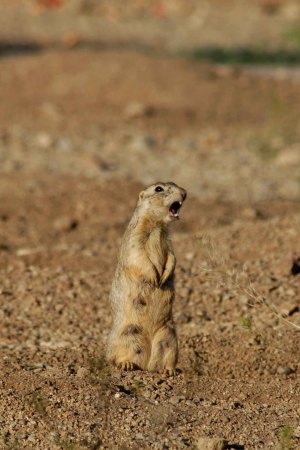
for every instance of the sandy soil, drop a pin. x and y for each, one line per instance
(81, 132)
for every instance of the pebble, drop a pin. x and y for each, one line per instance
(43, 140)
(142, 143)
(139, 436)
(288, 158)
(290, 292)
(135, 110)
(189, 403)
(82, 372)
(248, 213)
(175, 399)
(64, 145)
(285, 370)
(211, 444)
(189, 256)
(65, 223)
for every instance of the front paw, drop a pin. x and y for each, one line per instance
(152, 280)
(163, 279)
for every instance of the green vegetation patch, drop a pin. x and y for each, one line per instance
(247, 55)
(286, 434)
(293, 36)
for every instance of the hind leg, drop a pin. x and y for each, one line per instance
(128, 348)
(164, 352)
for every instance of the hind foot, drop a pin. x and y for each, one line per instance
(169, 372)
(126, 365)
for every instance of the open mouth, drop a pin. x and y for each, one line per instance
(174, 209)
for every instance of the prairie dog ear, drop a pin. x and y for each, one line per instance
(142, 195)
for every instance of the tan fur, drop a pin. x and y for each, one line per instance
(143, 334)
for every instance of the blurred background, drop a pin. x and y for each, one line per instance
(205, 93)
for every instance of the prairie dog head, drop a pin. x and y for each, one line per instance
(162, 201)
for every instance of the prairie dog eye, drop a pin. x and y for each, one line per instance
(158, 189)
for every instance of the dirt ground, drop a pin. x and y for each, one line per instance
(82, 130)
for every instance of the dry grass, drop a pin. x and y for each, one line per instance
(225, 272)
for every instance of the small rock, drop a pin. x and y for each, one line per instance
(135, 110)
(82, 372)
(211, 444)
(175, 399)
(107, 166)
(244, 299)
(189, 403)
(65, 223)
(43, 140)
(288, 158)
(290, 292)
(150, 141)
(290, 10)
(189, 256)
(143, 143)
(147, 394)
(64, 145)
(248, 213)
(51, 111)
(288, 309)
(71, 40)
(285, 370)
(293, 310)
(223, 71)
(184, 318)
(139, 436)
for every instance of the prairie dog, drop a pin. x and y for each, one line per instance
(143, 334)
